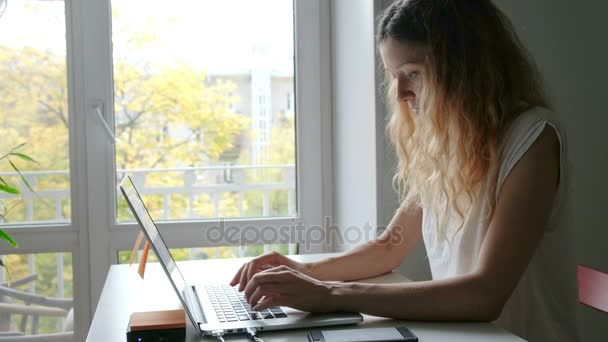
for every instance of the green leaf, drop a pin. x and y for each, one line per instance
(24, 157)
(18, 146)
(2, 181)
(2, 263)
(13, 150)
(21, 175)
(4, 235)
(9, 189)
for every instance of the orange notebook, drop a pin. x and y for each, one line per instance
(157, 320)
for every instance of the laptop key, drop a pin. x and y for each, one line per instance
(243, 318)
(281, 315)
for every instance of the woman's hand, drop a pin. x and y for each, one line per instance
(261, 263)
(284, 286)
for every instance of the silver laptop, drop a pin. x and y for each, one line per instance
(220, 309)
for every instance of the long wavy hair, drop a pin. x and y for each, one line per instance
(478, 78)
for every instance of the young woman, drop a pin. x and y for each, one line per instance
(481, 176)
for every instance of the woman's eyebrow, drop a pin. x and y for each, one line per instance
(408, 63)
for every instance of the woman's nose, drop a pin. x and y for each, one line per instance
(404, 95)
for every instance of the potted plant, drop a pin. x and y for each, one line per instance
(5, 187)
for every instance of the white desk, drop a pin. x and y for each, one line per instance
(124, 292)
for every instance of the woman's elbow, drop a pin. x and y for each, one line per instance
(486, 299)
(486, 309)
(492, 313)
(490, 302)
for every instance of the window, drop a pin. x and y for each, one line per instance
(34, 112)
(179, 67)
(35, 116)
(112, 87)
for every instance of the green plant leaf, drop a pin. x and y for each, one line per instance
(4, 235)
(21, 175)
(13, 150)
(9, 189)
(2, 181)
(24, 157)
(2, 263)
(18, 146)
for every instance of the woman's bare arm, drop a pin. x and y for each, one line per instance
(376, 257)
(514, 232)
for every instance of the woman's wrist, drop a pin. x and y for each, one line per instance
(308, 268)
(338, 296)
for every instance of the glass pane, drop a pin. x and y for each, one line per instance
(224, 252)
(34, 112)
(204, 106)
(35, 278)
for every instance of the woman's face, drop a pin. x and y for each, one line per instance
(405, 62)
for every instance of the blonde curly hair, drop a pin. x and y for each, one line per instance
(478, 78)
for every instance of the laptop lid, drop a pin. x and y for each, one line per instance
(184, 292)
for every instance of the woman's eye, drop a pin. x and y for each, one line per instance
(412, 74)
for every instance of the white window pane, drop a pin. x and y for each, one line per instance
(201, 120)
(34, 111)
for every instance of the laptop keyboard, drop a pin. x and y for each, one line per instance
(230, 305)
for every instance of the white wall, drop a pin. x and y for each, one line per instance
(354, 118)
(568, 40)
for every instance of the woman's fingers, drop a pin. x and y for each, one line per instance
(256, 281)
(251, 268)
(243, 281)
(269, 302)
(265, 277)
(237, 276)
(264, 290)
(256, 263)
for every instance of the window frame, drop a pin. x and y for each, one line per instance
(67, 237)
(93, 236)
(106, 237)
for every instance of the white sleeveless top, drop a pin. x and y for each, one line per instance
(543, 305)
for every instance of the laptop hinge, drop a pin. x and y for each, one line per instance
(197, 305)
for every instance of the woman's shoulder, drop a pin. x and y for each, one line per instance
(527, 128)
(529, 118)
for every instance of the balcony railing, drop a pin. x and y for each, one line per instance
(52, 189)
(191, 182)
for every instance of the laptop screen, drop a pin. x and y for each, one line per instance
(145, 220)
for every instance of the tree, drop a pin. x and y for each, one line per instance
(170, 117)
(165, 117)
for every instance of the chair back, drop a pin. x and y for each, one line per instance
(593, 288)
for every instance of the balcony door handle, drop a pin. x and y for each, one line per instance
(98, 108)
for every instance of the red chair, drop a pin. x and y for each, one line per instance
(593, 288)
